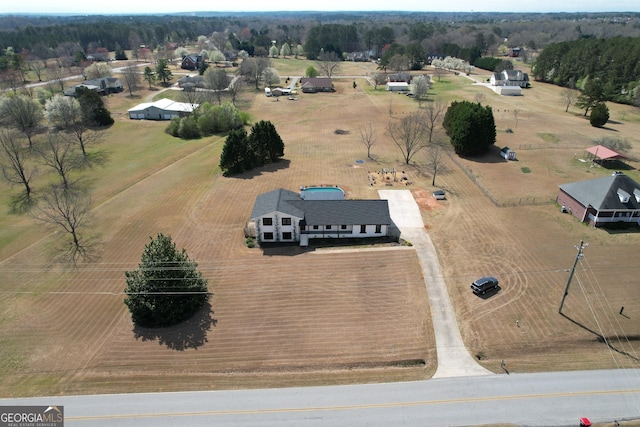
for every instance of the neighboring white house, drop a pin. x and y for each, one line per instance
(283, 216)
(162, 109)
(510, 78)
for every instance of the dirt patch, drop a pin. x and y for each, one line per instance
(425, 199)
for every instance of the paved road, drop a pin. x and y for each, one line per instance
(546, 399)
(453, 358)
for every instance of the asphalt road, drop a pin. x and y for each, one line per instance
(545, 399)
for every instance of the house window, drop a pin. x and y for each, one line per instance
(363, 228)
(343, 227)
(327, 227)
(286, 235)
(286, 221)
(378, 228)
(267, 221)
(268, 236)
(315, 227)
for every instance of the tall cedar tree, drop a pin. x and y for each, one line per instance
(471, 128)
(269, 144)
(599, 115)
(166, 288)
(234, 152)
(94, 113)
(242, 153)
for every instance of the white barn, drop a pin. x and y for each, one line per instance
(397, 86)
(163, 109)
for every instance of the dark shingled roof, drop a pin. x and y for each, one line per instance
(347, 212)
(602, 193)
(276, 200)
(322, 212)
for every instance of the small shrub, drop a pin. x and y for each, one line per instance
(525, 170)
(480, 355)
(250, 242)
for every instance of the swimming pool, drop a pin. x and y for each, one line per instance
(321, 193)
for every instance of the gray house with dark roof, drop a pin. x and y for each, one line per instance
(602, 201)
(283, 216)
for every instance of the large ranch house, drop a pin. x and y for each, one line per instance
(316, 213)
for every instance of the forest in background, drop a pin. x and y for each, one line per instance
(563, 48)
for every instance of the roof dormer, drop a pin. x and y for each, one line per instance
(636, 193)
(623, 195)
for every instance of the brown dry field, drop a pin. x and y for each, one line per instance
(288, 316)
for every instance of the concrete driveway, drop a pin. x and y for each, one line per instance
(453, 358)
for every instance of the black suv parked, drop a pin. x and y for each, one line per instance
(484, 284)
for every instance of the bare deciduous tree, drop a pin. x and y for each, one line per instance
(379, 79)
(252, 68)
(367, 136)
(68, 209)
(216, 80)
(65, 113)
(59, 154)
(131, 78)
(436, 155)
(399, 63)
(438, 72)
(194, 98)
(409, 134)
(433, 115)
(57, 74)
(22, 113)
(569, 97)
(328, 63)
(14, 162)
(97, 70)
(235, 87)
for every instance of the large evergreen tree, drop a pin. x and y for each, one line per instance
(599, 115)
(166, 288)
(242, 153)
(94, 112)
(269, 145)
(234, 152)
(163, 73)
(592, 94)
(471, 127)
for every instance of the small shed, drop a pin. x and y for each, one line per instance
(508, 153)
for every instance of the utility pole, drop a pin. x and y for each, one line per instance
(573, 270)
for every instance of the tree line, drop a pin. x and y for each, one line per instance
(614, 62)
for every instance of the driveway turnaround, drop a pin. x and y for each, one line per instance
(453, 358)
